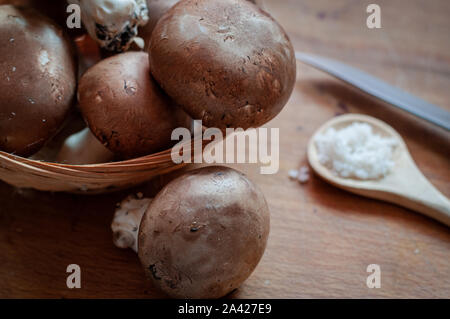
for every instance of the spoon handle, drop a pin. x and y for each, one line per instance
(436, 209)
(423, 197)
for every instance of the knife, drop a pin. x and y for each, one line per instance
(379, 89)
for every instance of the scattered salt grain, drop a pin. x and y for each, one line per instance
(293, 174)
(356, 151)
(301, 175)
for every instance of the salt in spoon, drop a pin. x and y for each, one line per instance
(405, 185)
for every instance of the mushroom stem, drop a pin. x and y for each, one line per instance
(127, 219)
(113, 23)
(83, 148)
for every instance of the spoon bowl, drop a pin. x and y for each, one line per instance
(404, 185)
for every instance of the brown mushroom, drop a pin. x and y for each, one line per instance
(156, 9)
(54, 9)
(204, 233)
(37, 79)
(226, 62)
(124, 107)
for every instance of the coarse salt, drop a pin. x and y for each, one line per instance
(301, 175)
(356, 151)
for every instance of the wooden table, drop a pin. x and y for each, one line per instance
(322, 239)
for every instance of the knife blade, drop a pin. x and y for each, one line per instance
(379, 89)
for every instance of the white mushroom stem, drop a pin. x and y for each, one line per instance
(126, 221)
(83, 148)
(113, 23)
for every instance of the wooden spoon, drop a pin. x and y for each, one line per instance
(405, 185)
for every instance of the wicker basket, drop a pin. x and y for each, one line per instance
(95, 178)
(44, 175)
(41, 172)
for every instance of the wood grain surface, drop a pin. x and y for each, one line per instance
(322, 239)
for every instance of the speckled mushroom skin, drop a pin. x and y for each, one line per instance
(204, 233)
(226, 62)
(55, 9)
(124, 107)
(156, 9)
(37, 79)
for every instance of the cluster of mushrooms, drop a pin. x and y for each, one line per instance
(162, 63)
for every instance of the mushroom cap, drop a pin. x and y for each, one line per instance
(54, 9)
(156, 9)
(37, 79)
(124, 107)
(204, 233)
(226, 62)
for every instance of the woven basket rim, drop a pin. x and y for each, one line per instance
(160, 157)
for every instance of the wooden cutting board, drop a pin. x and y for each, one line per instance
(322, 239)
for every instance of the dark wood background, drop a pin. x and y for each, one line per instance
(322, 238)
